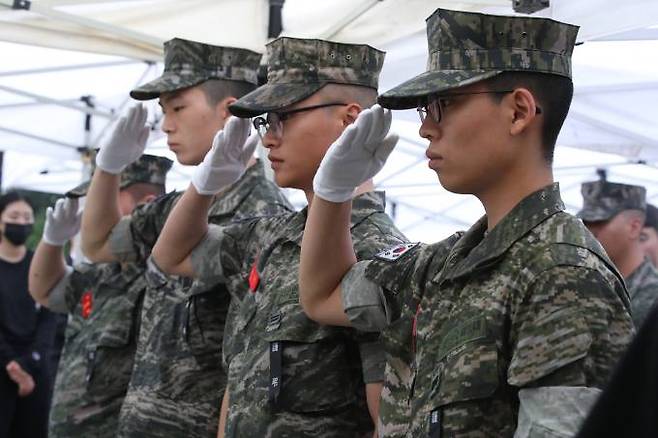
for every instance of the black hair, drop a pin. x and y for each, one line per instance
(217, 90)
(553, 94)
(11, 197)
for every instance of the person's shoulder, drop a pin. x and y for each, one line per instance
(563, 240)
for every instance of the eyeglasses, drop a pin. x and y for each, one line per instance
(436, 104)
(273, 122)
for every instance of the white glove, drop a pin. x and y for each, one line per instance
(227, 159)
(126, 143)
(356, 156)
(62, 223)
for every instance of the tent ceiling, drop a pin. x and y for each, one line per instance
(42, 118)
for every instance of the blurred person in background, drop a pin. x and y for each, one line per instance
(649, 235)
(26, 329)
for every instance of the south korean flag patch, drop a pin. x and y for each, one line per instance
(395, 252)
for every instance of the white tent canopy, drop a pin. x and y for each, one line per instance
(613, 123)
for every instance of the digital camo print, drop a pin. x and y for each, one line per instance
(467, 47)
(150, 169)
(602, 200)
(188, 63)
(534, 302)
(642, 286)
(104, 302)
(178, 379)
(297, 68)
(319, 389)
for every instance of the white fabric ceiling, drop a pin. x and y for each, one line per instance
(42, 124)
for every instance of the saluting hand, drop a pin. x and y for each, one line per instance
(62, 222)
(227, 159)
(356, 156)
(127, 141)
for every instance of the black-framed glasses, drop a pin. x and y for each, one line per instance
(273, 122)
(436, 105)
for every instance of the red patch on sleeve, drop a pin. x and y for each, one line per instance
(86, 301)
(254, 278)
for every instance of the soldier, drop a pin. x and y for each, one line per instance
(649, 235)
(504, 330)
(177, 381)
(104, 303)
(615, 214)
(289, 376)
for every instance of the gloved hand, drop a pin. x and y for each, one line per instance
(62, 222)
(227, 159)
(126, 143)
(356, 156)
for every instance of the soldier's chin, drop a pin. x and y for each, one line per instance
(187, 159)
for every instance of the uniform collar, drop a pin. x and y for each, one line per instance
(363, 206)
(228, 201)
(478, 251)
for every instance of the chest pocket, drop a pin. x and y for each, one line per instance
(110, 358)
(203, 323)
(313, 368)
(466, 374)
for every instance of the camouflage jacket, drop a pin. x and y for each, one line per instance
(289, 376)
(533, 302)
(178, 379)
(643, 287)
(104, 303)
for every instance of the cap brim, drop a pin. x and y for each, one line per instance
(270, 97)
(408, 94)
(166, 83)
(78, 191)
(587, 216)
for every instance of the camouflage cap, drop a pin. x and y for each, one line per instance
(150, 169)
(189, 63)
(468, 47)
(602, 200)
(652, 217)
(297, 68)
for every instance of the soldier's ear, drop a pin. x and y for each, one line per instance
(222, 106)
(350, 112)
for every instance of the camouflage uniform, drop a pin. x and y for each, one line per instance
(602, 201)
(104, 304)
(476, 320)
(533, 302)
(643, 287)
(289, 376)
(178, 379)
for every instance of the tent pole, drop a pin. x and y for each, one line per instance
(49, 100)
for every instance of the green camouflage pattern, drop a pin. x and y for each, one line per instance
(652, 217)
(188, 63)
(533, 302)
(602, 200)
(297, 68)
(642, 286)
(151, 169)
(97, 358)
(468, 47)
(324, 367)
(178, 380)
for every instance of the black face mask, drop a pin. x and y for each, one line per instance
(17, 233)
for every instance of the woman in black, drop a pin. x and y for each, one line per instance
(26, 330)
